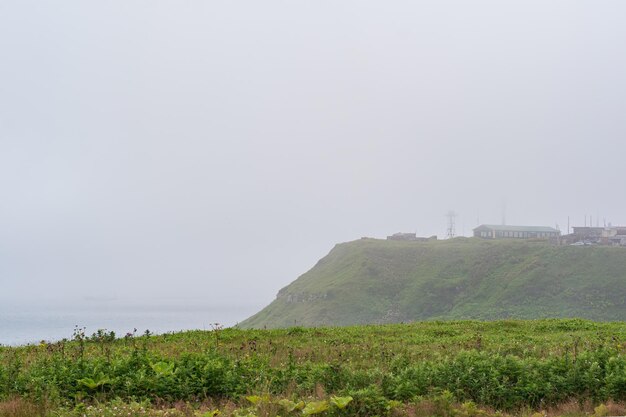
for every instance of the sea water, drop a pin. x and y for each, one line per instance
(33, 322)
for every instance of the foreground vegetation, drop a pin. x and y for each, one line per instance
(380, 281)
(464, 368)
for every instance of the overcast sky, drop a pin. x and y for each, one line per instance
(220, 148)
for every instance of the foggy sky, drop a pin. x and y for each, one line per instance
(218, 149)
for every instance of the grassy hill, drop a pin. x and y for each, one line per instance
(380, 281)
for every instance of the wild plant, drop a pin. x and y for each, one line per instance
(79, 338)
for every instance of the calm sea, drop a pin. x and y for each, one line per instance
(22, 323)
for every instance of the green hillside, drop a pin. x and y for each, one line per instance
(380, 281)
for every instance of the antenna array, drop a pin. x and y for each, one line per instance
(451, 231)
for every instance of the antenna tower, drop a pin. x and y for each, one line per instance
(451, 232)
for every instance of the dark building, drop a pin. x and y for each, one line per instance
(490, 231)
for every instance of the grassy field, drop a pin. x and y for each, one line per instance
(380, 281)
(459, 368)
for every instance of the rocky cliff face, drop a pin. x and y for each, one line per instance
(300, 297)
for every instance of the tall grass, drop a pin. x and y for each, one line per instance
(507, 366)
(18, 407)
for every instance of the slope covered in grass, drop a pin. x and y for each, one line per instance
(379, 281)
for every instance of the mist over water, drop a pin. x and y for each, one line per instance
(32, 322)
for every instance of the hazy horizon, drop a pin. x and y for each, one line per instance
(217, 150)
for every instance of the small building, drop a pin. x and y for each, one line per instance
(617, 240)
(611, 235)
(592, 234)
(402, 236)
(490, 231)
(410, 237)
(614, 235)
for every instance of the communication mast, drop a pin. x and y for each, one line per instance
(451, 232)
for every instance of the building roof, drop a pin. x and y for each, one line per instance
(506, 228)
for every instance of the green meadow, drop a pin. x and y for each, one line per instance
(452, 368)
